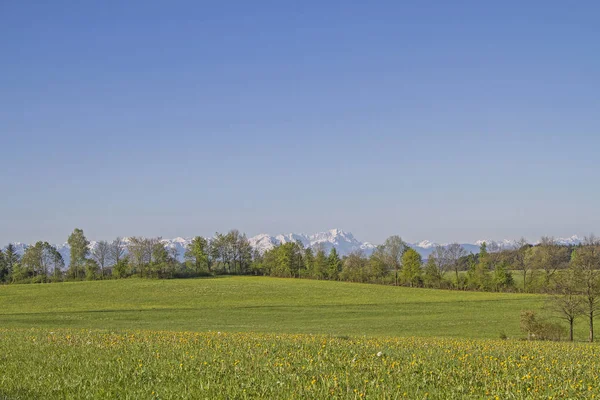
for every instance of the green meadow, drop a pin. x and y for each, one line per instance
(269, 305)
(257, 337)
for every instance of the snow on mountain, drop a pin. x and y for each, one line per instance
(425, 244)
(570, 241)
(343, 242)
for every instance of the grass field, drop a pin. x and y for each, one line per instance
(270, 305)
(43, 364)
(250, 337)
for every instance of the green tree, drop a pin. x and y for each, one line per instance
(478, 274)
(377, 264)
(309, 262)
(163, 261)
(411, 267)
(320, 269)
(121, 267)
(334, 264)
(11, 258)
(4, 274)
(196, 254)
(502, 278)
(91, 268)
(258, 266)
(432, 277)
(79, 253)
(37, 261)
(355, 268)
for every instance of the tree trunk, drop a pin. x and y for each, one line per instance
(591, 326)
(457, 284)
(571, 330)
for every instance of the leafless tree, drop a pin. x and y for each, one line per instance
(116, 251)
(518, 259)
(394, 248)
(454, 252)
(439, 257)
(101, 254)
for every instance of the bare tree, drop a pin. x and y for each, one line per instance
(518, 259)
(101, 254)
(116, 251)
(494, 247)
(439, 257)
(454, 252)
(394, 248)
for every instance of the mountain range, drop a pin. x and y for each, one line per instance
(344, 242)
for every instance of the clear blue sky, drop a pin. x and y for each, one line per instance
(434, 120)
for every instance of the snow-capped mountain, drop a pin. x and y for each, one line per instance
(344, 242)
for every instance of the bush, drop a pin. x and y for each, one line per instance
(538, 329)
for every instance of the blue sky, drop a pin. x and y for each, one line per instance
(429, 119)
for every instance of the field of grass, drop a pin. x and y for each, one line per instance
(80, 364)
(254, 337)
(269, 305)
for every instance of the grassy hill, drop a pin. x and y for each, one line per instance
(269, 305)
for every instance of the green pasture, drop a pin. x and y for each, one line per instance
(268, 305)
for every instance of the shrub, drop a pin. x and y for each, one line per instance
(538, 329)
